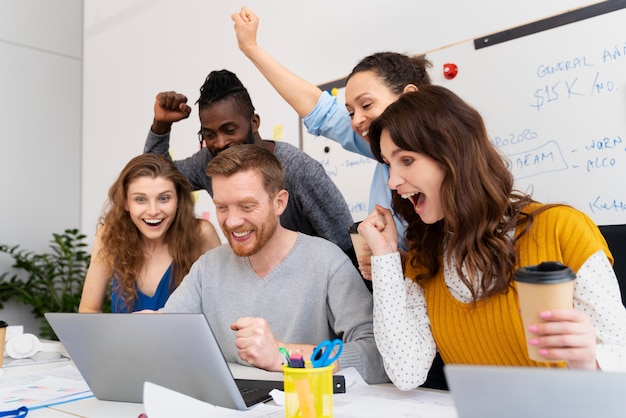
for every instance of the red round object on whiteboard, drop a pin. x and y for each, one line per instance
(450, 70)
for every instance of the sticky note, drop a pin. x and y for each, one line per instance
(277, 134)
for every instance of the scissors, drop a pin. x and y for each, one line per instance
(20, 412)
(323, 354)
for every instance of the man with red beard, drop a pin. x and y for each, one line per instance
(272, 287)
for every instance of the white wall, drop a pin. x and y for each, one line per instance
(135, 49)
(53, 176)
(40, 110)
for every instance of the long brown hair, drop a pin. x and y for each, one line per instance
(121, 239)
(479, 203)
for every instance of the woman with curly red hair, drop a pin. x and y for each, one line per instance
(147, 239)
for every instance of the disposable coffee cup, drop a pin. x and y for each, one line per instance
(3, 336)
(358, 241)
(546, 286)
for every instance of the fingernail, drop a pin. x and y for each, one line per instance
(532, 328)
(543, 351)
(545, 314)
(533, 341)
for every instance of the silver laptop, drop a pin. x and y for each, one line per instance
(522, 392)
(117, 353)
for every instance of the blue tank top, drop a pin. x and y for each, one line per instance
(143, 301)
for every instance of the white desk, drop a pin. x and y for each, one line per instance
(25, 370)
(90, 407)
(94, 408)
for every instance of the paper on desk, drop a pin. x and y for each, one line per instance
(68, 371)
(365, 400)
(160, 402)
(48, 391)
(360, 400)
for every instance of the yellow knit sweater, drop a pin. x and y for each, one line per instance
(490, 332)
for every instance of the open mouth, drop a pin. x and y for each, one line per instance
(153, 222)
(416, 198)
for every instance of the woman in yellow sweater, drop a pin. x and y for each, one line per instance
(468, 231)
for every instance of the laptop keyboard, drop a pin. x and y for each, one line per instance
(247, 391)
(255, 391)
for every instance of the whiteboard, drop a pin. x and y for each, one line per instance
(553, 97)
(554, 103)
(352, 173)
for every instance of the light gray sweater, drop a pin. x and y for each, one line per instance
(314, 294)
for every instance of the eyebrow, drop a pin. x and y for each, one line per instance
(357, 98)
(394, 152)
(221, 126)
(228, 124)
(166, 191)
(247, 200)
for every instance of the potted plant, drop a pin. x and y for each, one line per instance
(53, 281)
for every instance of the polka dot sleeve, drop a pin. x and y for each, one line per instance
(401, 324)
(596, 293)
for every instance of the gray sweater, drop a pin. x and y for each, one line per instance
(314, 294)
(316, 206)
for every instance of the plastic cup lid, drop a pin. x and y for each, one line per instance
(545, 273)
(353, 228)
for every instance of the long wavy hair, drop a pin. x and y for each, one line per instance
(479, 203)
(122, 248)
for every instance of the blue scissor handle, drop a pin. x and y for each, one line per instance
(20, 412)
(321, 356)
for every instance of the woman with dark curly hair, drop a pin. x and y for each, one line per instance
(148, 238)
(374, 82)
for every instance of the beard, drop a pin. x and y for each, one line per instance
(262, 236)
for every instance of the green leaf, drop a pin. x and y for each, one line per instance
(50, 282)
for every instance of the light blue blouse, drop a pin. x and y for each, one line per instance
(330, 120)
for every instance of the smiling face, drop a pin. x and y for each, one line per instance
(367, 96)
(246, 213)
(416, 177)
(223, 125)
(151, 203)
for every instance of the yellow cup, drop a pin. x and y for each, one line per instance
(308, 391)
